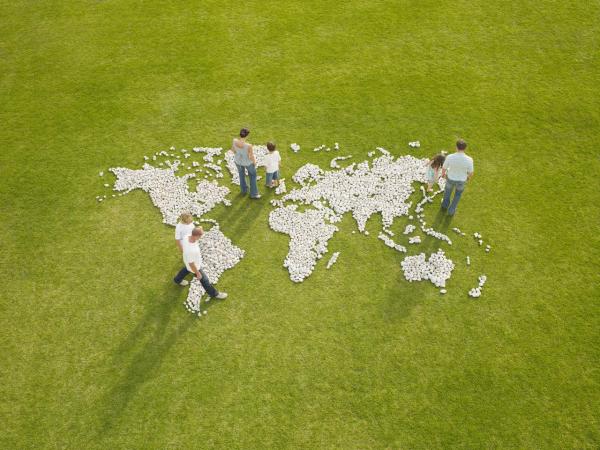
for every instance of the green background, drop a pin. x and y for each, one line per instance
(97, 350)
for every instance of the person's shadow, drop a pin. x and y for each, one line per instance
(401, 301)
(138, 358)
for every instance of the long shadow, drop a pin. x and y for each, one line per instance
(236, 220)
(140, 355)
(401, 303)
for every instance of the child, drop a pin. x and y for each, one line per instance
(434, 170)
(272, 162)
(184, 228)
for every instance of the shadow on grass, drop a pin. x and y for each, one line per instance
(237, 219)
(139, 356)
(400, 303)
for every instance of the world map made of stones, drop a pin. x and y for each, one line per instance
(307, 214)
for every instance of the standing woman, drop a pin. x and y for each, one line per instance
(245, 161)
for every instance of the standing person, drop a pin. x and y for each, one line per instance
(434, 170)
(272, 162)
(245, 161)
(183, 229)
(193, 263)
(457, 169)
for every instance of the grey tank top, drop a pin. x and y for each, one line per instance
(241, 154)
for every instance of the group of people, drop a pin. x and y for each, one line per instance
(457, 169)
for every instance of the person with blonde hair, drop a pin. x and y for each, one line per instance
(184, 228)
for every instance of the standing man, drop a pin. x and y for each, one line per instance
(193, 263)
(457, 169)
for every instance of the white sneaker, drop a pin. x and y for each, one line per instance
(184, 283)
(221, 295)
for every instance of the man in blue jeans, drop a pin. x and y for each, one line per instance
(457, 169)
(193, 261)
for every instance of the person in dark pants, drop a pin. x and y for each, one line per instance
(193, 263)
(457, 169)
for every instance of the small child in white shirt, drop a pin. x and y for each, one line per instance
(272, 163)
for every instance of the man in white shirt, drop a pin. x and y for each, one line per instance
(457, 169)
(193, 263)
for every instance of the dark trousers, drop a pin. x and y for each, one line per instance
(208, 287)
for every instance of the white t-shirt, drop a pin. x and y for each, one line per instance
(458, 165)
(183, 230)
(272, 161)
(191, 253)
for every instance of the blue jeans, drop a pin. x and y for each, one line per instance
(252, 175)
(206, 284)
(450, 186)
(272, 176)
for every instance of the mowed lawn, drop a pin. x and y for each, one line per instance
(97, 350)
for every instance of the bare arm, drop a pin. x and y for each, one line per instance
(179, 245)
(443, 173)
(195, 270)
(469, 176)
(251, 154)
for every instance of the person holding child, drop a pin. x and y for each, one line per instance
(245, 161)
(272, 163)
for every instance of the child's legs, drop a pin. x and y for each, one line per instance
(276, 178)
(269, 181)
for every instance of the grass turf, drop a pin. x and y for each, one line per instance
(97, 351)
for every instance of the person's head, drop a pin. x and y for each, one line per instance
(461, 145)
(186, 218)
(270, 146)
(438, 161)
(197, 233)
(244, 132)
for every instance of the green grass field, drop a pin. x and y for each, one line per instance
(97, 350)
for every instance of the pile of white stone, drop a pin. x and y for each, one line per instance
(308, 172)
(391, 243)
(361, 189)
(437, 269)
(218, 254)
(334, 162)
(414, 144)
(170, 193)
(476, 292)
(209, 152)
(333, 259)
(409, 228)
(295, 147)
(309, 235)
(281, 189)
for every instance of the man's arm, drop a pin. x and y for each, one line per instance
(469, 176)
(444, 172)
(195, 270)
(179, 246)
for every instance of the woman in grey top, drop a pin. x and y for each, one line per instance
(246, 162)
